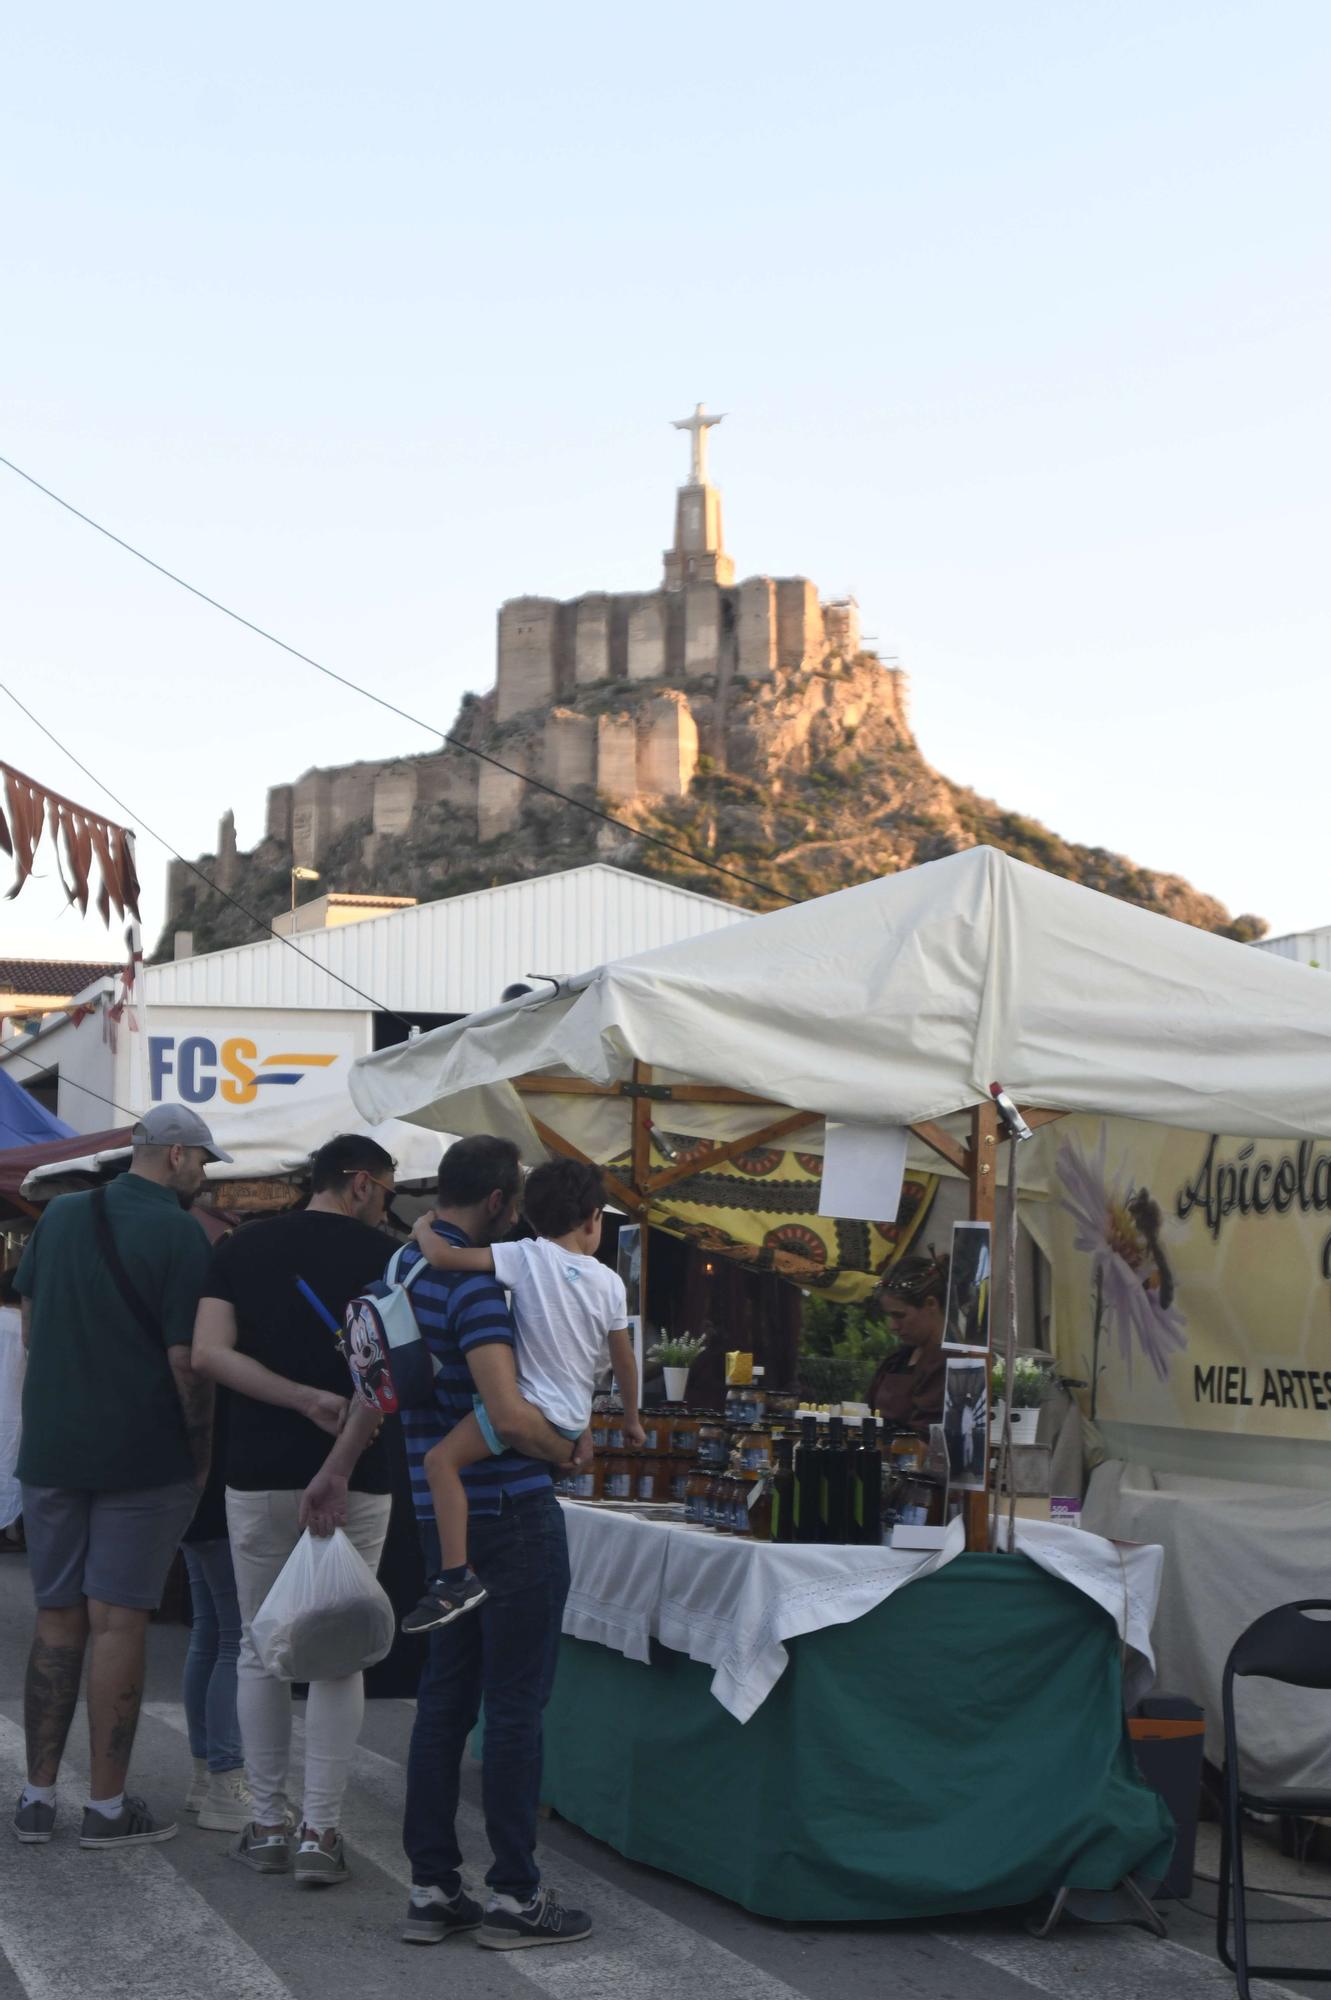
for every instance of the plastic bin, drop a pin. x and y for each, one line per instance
(1168, 1733)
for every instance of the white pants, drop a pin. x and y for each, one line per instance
(264, 1530)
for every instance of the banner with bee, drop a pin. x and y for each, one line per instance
(1192, 1276)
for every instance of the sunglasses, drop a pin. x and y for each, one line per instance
(349, 1173)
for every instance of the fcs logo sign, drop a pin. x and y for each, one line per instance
(195, 1069)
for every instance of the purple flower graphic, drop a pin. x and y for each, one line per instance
(1118, 1227)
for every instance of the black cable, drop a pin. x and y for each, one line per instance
(259, 923)
(454, 742)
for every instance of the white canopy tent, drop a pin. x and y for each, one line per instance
(897, 1002)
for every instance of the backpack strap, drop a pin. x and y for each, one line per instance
(124, 1284)
(392, 1274)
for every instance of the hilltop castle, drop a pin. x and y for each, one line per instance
(739, 725)
(608, 696)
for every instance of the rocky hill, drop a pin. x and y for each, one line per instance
(803, 781)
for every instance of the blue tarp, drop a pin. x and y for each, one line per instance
(23, 1121)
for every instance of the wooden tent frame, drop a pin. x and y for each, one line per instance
(975, 1161)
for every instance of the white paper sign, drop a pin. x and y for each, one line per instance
(863, 1170)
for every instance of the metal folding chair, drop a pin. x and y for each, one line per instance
(1284, 1645)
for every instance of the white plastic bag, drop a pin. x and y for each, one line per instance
(326, 1616)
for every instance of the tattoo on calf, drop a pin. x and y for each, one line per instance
(125, 1720)
(50, 1696)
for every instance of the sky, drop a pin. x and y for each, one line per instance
(365, 320)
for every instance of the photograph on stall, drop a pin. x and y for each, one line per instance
(966, 1321)
(966, 1423)
(628, 1263)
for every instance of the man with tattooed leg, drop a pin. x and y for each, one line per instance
(117, 1430)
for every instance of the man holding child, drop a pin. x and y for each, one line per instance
(505, 1648)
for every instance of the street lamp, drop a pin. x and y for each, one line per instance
(301, 875)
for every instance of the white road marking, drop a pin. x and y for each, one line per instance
(634, 1951)
(123, 1923)
(637, 1953)
(1105, 1964)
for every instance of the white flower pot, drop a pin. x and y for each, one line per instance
(676, 1382)
(1024, 1426)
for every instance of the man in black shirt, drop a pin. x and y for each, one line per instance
(288, 1393)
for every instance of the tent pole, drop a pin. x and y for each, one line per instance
(981, 1177)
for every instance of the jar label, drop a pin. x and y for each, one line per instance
(618, 1485)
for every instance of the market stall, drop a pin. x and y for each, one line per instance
(819, 1733)
(894, 1004)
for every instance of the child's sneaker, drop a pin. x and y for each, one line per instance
(443, 1602)
(509, 1925)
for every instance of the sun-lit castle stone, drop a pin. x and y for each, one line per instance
(607, 696)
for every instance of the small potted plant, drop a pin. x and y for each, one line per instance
(676, 1358)
(1028, 1386)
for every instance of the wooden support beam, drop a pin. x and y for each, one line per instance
(535, 1085)
(640, 1126)
(562, 1086)
(982, 1162)
(1035, 1119)
(625, 1196)
(717, 1156)
(941, 1142)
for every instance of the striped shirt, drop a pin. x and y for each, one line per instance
(457, 1311)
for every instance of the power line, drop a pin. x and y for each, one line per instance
(454, 742)
(260, 923)
(68, 1083)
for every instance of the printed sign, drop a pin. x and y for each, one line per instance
(1192, 1277)
(199, 1067)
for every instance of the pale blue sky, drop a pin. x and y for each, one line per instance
(368, 319)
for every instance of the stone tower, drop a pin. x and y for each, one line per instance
(699, 554)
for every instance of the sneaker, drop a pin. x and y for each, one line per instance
(443, 1602)
(509, 1927)
(34, 1823)
(198, 1790)
(431, 1917)
(265, 1852)
(132, 1826)
(227, 1806)
(317, 1866)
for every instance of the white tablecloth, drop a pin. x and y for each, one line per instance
(732, 1604)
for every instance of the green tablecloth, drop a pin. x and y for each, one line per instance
(962, 1747)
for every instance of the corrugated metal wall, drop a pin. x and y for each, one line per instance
(456, 956)
(1304, 947)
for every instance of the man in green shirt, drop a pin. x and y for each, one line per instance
(116, 1436)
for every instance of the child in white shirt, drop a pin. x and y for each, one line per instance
(571, 1316)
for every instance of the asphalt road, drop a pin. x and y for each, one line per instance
(182, 1922)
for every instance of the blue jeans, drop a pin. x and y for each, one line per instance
(505, 1652)
(210, 1664)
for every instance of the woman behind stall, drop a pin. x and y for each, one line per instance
(907, 1389)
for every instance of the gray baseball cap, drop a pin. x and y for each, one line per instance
(176, 1125)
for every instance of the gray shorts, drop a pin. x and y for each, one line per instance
(116, 1547)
